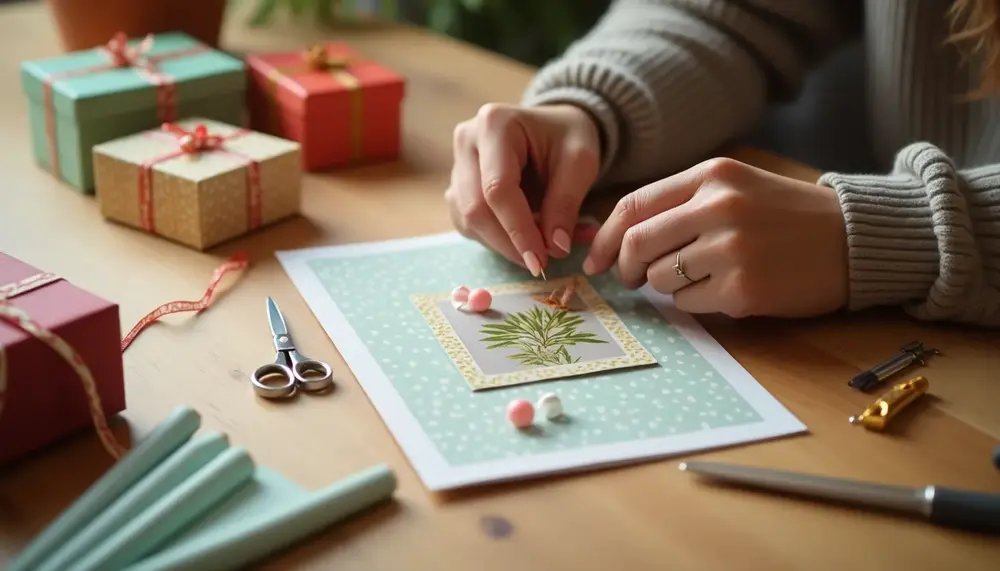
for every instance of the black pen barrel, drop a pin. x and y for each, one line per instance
(972, 511)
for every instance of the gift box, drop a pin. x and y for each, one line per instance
(84, 98)
(342, 108)
(198, 182)
(42, 390)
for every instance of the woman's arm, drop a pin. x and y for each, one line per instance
(669, 81)
(926, 236)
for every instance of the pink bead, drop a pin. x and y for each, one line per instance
(520, 413)
(479, 300)
(460, 294)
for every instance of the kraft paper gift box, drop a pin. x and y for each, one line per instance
(42, 396)
(342, 108)
(198, 182)
(84, 98)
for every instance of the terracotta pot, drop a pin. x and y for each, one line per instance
(87, 24)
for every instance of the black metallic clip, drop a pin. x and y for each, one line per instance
(908, 355)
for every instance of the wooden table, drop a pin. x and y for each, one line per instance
(644, 517)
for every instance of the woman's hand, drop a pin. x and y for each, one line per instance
(486, 196)
(748, 242)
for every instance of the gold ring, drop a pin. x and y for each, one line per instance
(679, 268)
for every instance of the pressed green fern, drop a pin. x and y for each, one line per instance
(541, 335)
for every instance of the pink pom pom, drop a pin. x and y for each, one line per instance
(520, 413)
(479, 300)
(460, 294)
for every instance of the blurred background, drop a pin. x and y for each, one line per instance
(531, 31)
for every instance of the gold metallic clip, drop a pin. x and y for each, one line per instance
(878, 414)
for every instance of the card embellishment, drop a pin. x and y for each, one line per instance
(543, 341)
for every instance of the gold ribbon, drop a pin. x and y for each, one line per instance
(7, 292)
(318, 59)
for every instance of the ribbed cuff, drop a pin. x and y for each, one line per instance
(908, 232)
(592, 103)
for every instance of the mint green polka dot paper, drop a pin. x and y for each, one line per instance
(695, 397)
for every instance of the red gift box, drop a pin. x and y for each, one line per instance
(42, 395)
(340, 108)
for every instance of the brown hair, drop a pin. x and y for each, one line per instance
(976, 25)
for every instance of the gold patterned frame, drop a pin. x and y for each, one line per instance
(634, 353)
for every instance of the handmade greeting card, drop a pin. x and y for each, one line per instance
(637, 379)
(533, 330)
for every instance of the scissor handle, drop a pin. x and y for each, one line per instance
(272, 371)
(312, 375)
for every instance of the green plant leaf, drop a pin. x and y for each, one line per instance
(473, 5)
(443, 16)
(541, 335)
(389, 9)
(264, 13)
(326, 11)
(505, 327)
(298, 7)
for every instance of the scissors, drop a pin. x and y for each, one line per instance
(291, 368)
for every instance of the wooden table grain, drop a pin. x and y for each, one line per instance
(648, 516)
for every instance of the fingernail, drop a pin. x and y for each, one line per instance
(561, 239)
(531, 260)
(588, 267)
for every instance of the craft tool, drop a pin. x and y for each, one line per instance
(162, 442)
(975, 511)
(879, 413)
(290, 367)
(268, 531)
(909, 354)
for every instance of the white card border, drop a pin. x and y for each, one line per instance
(431, 466)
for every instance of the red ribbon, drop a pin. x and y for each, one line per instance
(237, 262)
(120, 55)
(20, 319)
(193, 143)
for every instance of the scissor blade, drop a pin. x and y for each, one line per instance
(275, 319)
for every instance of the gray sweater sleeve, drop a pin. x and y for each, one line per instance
(669, 81)
(926, 236)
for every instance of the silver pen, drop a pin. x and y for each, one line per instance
(975, 511)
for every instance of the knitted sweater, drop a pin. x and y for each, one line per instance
(670, 81)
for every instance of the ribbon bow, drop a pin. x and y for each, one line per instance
(318, 59)
(195, 141)
(124, 56)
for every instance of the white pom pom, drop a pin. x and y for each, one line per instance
(550, 406)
